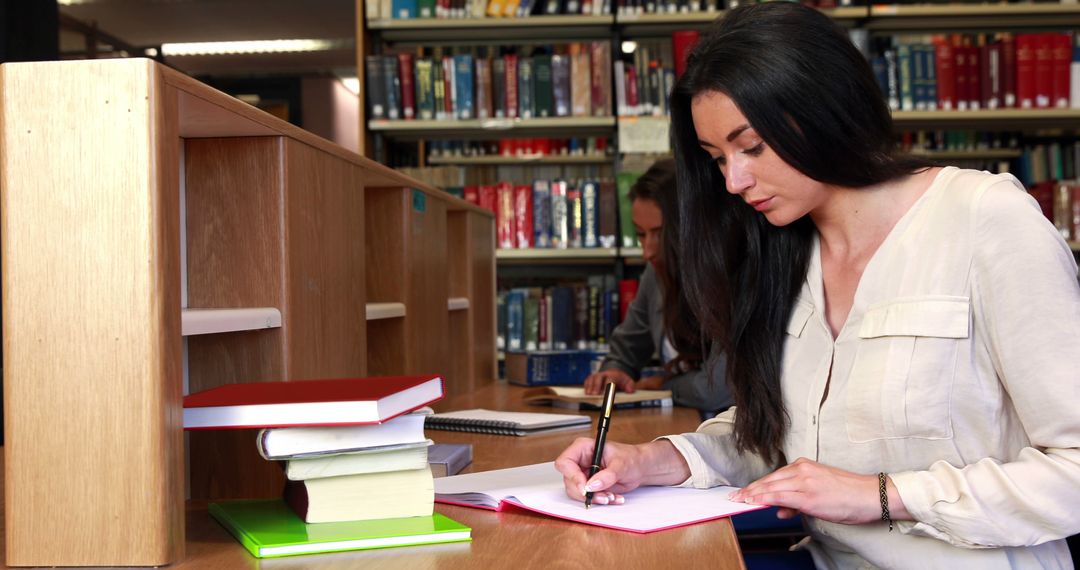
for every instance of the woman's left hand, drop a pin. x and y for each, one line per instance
(821, 491)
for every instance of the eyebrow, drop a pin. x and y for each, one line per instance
(734, 134)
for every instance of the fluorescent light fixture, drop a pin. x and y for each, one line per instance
(258, 46)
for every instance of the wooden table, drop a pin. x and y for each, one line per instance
(517, 540)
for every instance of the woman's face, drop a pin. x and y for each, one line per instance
(648, 222)
(752, 170)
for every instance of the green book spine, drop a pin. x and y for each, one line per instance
(425, 89)
(623, 182)
(543, 89)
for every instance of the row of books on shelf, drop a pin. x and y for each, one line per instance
(568, 316)
(594, 147)
(566, 80)
(979, 71)
(1060, 203)
(461, 9)
(559, 214)
(959, 140)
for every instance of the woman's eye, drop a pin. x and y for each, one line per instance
(756, 150)
(720, 161)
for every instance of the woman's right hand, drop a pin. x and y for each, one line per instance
(623, 468)
(595, 382)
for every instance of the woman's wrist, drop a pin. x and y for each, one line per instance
(897, 510)
(667, 465)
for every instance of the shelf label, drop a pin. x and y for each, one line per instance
(644, 134)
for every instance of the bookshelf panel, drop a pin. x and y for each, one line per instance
(460, 364)
(426, 285)
(91, 315)
(325, 312)
(481, 244)
(386, 347)
(385, 233)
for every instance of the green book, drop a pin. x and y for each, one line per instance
(269, 528)
(623, 182)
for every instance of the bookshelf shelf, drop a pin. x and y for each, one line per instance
(989, 119)
(1075, 246)
(519, 160)
(977, 154)
(467, 23)
(210, 321)
(457, 304)
(638, 24)
(488, 29)
(572, 255)
(972, 16)
(577, 126)
(379, 311)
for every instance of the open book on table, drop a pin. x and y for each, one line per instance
(574, 397)
(539, 488)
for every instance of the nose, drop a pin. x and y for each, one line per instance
(737, 175)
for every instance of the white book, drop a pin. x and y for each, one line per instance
(540, 488)
(378, 460)
(293, 443)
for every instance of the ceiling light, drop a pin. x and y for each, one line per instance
(259, 46)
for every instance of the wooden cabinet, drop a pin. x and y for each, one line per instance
(133, 200)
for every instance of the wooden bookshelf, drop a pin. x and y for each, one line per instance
(974, 154)
(486, 128)
(378, 311)
(569, 255)
(972, 16)
(1075, 246)
(105, 167)
(523, 160)
(988, 119)
(531, 28)
(507, 24)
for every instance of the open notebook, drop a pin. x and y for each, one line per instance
(574, 398)
(539, 488)
(505, 423)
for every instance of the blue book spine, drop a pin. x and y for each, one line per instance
(541, 214)
(515, 319)
(463, 86)
(404, 9)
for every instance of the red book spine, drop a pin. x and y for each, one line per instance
(995, 79)
(1044, 76)
(504, 216)
(682, 41)
(511, 85)
(1043, 192)
(523, 216)
(986, 86)
(974, 82)
(1060, 61)
(945, 73)
(472, 194)
(627, 291)
(408, 93)
(960, 70)
(448, 86)
(1008, 70)
(1025, 71)
(631, 90)
(487, 198)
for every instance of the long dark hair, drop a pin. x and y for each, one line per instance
(812, 97)
(680, 326)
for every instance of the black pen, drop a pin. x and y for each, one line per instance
(601, 435)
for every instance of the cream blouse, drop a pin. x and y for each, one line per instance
(957, 373)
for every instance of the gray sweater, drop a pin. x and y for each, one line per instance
(638, 338)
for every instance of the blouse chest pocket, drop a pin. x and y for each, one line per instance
(901, 380)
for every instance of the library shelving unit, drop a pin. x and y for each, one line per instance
(159, 236)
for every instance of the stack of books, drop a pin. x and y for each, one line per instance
(352, 450)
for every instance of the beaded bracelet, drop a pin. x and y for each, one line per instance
(884, 500)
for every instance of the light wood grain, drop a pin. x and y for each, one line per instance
(426, 289)
(481, 242)
(325, 312)
(90, 227)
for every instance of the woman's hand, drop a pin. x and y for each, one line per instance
(824, 492)
(594, 384)
(625, 468)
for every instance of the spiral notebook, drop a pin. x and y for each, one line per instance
(505, 423)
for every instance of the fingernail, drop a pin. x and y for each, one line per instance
(734, 497)
(750, 500)
(620, 500)
(592, 485)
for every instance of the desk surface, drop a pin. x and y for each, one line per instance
(519, 540)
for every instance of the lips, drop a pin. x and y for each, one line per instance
(762, 204)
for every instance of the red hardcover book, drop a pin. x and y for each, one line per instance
(631, 90)
(1008, 70)
(484, 109)
(945, 71)
(344, 401)
(960, 72)
(448, 86)
(993, 85)
(504, 216)
(408, 95)
(1025, 71)
(1060, 61)
(974, 80)
(985, 80)
(682, 41)
(511, 60)
(601, 79)
(472, 194)
(488, 200)
(1044, 77)
(1043, 192)
(627, 291)
(523, 216)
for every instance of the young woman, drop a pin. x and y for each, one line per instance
(902, 340)
(659, 321)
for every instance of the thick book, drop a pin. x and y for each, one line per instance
(299, 442)
(506, 423)
(363, 496)
(268, 528)
(574, 398)
(448, 459)
(342, 401)
(539, 488)
(378, 460)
